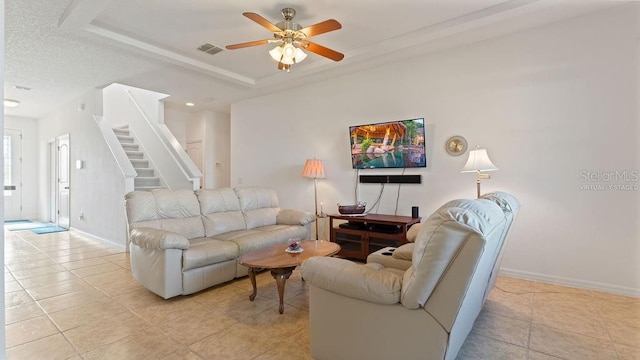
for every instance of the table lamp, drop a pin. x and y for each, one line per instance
(479, 161)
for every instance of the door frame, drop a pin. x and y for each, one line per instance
(59, 202)
(53, 193)
(16, 165)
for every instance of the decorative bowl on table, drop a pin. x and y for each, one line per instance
(294, 248)
(352, 209)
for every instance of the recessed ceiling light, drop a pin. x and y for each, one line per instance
(190, 104)
(11, 103)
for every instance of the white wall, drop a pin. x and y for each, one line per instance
(29, 129)
(217, 158)
(3, 341)
(97, 190)
(212, 128)
(547, 103)
(176, 121)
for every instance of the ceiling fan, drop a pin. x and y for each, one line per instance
(292, 39)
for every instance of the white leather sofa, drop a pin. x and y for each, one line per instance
(183, 241)
(424, 312)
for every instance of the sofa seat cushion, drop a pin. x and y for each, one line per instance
(251, 240)
(207, 251)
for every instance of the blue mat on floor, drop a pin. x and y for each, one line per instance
(16, 221)
(48, 230)
(27, 226)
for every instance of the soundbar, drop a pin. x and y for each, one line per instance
(391, 179)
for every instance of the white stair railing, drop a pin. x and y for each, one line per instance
(143, 112)
(118, 152)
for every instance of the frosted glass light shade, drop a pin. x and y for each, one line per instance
(478, 161)
(276, 53)
(299, 55)
(314, 169)
(287, 54)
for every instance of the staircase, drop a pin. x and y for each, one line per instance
(146, 179)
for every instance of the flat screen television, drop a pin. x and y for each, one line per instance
(394, 144)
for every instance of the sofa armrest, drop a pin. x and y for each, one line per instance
(404, 252)
(150, 238)
(353, 280)
(294, 217)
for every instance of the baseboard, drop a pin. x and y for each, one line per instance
(99, 239)
(580, 284)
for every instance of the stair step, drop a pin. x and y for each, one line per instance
(145, 172)
(148, 188)
(139, 163)
(135, 154)
(146, 181)
(125, 139)
(130, 147)
(121, 132)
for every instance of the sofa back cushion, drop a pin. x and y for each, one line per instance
(510, 206)
(449, 245)
(220, 210)
(259, 206)
(176, 211)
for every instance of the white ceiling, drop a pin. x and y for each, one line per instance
(63, 48)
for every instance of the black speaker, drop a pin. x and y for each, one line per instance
(390, 179)
(414, 212)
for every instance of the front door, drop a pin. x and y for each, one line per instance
(63, 181)
(12, 174)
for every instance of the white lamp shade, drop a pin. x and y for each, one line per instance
(314, 168)
(478, 161)
(276, 53)
(299, 55)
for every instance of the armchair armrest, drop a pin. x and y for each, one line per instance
(294, 217)
(353, 280)
(404, 252)
(150, 238)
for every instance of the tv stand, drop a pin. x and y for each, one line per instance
(369, 233)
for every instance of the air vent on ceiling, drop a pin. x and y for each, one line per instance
(209, 49)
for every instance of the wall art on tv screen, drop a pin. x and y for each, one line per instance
(395, 144)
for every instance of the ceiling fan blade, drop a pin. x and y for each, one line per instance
(322, 51)
(321, 28)
(262, 21)
(247, 44)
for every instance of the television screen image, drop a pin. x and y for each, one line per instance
(395, 144)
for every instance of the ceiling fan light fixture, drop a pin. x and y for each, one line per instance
(292, 39)
(299, 55)
(276, 53)
(287, 60)
(288, 51)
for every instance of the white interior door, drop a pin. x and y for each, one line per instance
(12, 174)
(52, 188)
(63, 181)
(194, 150)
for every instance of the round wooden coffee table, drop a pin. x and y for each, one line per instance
(282, 263)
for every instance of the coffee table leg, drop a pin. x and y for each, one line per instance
(252, 276)
(281, 276)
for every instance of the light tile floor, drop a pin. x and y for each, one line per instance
(69, 297)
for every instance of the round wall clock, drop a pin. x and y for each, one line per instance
(456, 145)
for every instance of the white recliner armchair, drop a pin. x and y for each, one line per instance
(400, 257)
(425, 312)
